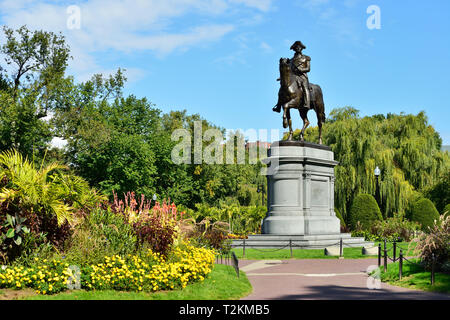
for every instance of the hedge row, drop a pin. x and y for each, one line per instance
(365, 211)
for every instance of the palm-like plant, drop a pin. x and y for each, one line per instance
(42, 190)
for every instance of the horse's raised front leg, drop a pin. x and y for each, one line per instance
(285, 120)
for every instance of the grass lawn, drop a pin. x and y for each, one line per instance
(415, 277)
(221, 284)
(349, 253)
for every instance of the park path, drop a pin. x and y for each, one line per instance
(322, 279)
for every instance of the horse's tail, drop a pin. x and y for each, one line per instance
(322, 115)
(319, 105)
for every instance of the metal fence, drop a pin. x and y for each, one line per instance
(384, 253)
(229, 259)
(291, 245)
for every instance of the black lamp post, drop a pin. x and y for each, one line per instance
(262, 203)
(261, 189)
(377, 173)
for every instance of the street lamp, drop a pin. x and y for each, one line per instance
(377, 173)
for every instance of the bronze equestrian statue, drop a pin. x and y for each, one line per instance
(297, 93)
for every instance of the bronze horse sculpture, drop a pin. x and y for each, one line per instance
(291, 96)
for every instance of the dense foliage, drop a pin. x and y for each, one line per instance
(31, 85)
(102, 233)
(405, 147)
(123, 143)
(364, 211)
(115, 142)
(425, 213)
(37, 201)
(396, 228)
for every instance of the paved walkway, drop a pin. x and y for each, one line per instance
(315, 279)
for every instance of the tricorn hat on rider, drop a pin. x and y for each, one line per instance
(298, 43)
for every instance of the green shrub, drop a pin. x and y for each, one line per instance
(425, 213)
(364, 210)
(212, 236)
(368, 235)
(394, 228)
(158, 228)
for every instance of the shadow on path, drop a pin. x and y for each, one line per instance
(333, 292)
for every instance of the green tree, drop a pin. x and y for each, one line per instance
(405, 147)
(30, 87)
(124, 163)
(339, 216)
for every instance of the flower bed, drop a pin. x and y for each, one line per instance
(236, 236)
(45, 277)
(148, 272)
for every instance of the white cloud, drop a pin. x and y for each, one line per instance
(312, 4)
(263, 5)
(265, 46)
(334, 15)
(165, 43)
(157, 26)
(132, 74)
(14, 4)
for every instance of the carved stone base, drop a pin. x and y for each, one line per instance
(300, 190)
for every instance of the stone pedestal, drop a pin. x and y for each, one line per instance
(300, 204)
(300, 184)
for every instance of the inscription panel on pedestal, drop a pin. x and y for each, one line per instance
(320, 193)
(287, 192)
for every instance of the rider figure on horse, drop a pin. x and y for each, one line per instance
(300, 66)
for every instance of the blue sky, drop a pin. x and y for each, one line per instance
(220, 58)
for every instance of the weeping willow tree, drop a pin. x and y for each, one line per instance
(405, 147)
